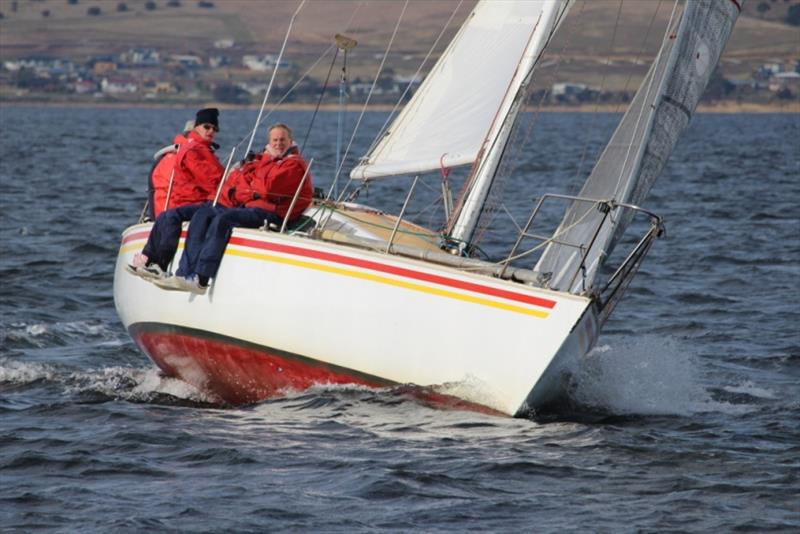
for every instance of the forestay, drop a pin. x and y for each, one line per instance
(641, 145)
(448, 118)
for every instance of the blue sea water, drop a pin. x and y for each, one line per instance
(693, 390)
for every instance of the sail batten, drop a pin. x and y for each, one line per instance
(447, 120)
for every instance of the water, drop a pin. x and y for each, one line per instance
(693, 390)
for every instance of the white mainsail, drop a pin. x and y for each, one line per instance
(446, 122)
(641, 145)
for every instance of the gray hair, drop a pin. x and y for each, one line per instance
(281, 125)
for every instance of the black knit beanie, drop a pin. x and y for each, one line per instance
(207, 116)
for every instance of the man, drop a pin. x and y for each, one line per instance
(258, 193)
(197, 175)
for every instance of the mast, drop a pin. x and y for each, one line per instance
(470, 206)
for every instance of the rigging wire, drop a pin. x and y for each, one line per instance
(391, 116)
(272, 79)
(471, 180)
(562, 231)
(500, 172)
(641, 49)
(263, 103)
(364, 108)
(593, 116)
(511, 161)
(291, 90)
(328, 77)
(319, 101)
(648, 92)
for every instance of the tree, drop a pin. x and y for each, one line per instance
(718, 87)
(762, 8)
(793, 15)
(45, 13)
(93, 11)
(230, 94)
(122, 6)
(150, 6)
(26, 78)
(205, 4)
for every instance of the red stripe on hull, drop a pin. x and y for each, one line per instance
(237, 372)
(144, 234)
(378, 267)
(399, 271)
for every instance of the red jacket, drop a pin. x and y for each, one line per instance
(197, 173)
(160, 178)
(270, 184)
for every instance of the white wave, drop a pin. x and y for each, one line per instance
(15, 372)
(647, 375)
(41, 335)
(153, 381)
(748, 388)
(133, 384)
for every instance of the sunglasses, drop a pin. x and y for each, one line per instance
(210, 127)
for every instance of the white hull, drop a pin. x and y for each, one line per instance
(288, 311)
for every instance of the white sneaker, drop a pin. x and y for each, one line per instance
(192, 285)
(170, 283)
(147, 272)
(179, 283)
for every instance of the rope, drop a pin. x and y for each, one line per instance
(263, 104)
(649, 88)
(319, 101)
(550, 239)
(272, 78)
(366, 103)
(517, 146)
(327, 78)
(627, 82)
(382, 129)
(487, 214)
(292, 88)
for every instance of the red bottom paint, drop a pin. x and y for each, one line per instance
(237, 373)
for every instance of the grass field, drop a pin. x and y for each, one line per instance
(595, 46)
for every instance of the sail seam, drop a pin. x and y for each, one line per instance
(669, 100)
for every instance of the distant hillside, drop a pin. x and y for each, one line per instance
(65, 28)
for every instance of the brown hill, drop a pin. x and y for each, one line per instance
(596, 43)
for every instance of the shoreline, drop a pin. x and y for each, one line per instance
(792, 106)
(714, 107)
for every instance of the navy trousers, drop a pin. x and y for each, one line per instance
(163, 240)
(209, 231)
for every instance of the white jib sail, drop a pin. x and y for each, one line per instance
(641, 145)
(447, 120)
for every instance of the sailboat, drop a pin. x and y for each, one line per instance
(358, 296)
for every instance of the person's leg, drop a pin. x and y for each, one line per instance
(166, 233)
(198, 228)
(219, 232)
